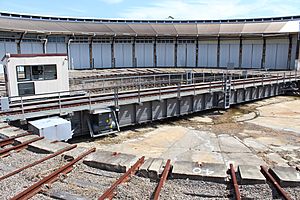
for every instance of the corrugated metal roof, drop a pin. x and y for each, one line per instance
(208, 28)
(255, 27)
(186, 29)
(145, 29)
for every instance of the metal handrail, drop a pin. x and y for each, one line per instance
(61, 98)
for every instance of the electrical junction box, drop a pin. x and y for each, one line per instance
(54, 128)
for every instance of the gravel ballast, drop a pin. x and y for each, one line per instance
(192, 189)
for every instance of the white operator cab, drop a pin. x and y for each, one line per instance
(35, 74)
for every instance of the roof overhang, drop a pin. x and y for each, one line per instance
(146, 28)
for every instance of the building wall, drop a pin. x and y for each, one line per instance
(144, 53)
(252, 53)
(229, 53)
(207, 53)
(277, 53)
(128, 52)
(79, 55)
(7, 46)
(31, 46)
(101, 55)
(56, 45)
(186, 53)
(165, 53)
(123, 53)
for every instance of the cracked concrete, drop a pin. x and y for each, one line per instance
(220, 137)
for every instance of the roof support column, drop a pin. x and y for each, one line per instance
(218, 52)
(297, 64)
(19, 43)
(175, 51)
(45, 44)
(91, 52)
(289, 63)
(134, 63)
(113, 59)
(241, 52)
(197, 51)
(263, 59)
(154, 52)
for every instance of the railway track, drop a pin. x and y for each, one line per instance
(67, 102)
(100, 184)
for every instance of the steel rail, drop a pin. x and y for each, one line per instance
(174, 81)
(111, 87)
(162, 180)
(85, 101)
(128, 92)
(38, 162)
(66, 99)
(270, 178)
(110, 96)
(235, 184)
(109, 193)
(35, 188)
(63, 99)
(19, 146)
(10, 140)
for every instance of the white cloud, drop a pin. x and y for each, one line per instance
(112, 1)
(212, 9)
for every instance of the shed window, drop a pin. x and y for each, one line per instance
(36, 72)
(26, 89)
(50, 72)
(24, 73)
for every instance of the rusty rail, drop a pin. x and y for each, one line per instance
(19, 147)
(163, 179)
(38, 162)
(270, 178)
(10, 140)
(35, 188)
(109, 193)
(4, 127)
(234, 182)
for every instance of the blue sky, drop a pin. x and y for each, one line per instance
(155, 9)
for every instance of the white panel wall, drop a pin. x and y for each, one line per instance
(186, 55)
(277, 53)
(31, 47)
(144, 54)
(102, 55)
(229, 53)
(165, 54)
(123, 54)
(56, 47)
(252, 53)
(293, 56)
(79, 55)
(6, 47)
(207, 53)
